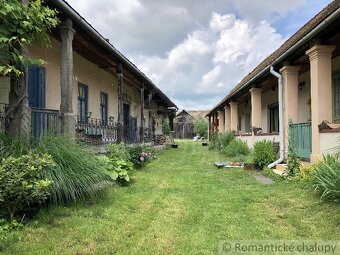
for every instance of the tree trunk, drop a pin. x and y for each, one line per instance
(18, 114)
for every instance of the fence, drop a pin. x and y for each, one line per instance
(45, 122)
(301, 138)
(184, 130)
(96, 132)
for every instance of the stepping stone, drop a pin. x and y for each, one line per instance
(220, 164)
(263, 179)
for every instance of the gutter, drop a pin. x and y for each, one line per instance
(303, 40)
(281, 120)
(98, 38)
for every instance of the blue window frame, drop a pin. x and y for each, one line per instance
(82, 102)
(36, 86)
(103, 107)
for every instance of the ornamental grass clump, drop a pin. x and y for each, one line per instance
(78, 173)
(236, 148)
(326, 178)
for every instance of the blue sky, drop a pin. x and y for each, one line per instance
(196, 51)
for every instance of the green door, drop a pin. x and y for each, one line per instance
(301, 139)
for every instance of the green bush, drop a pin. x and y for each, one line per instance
(166, 126)
(326, 178)
(237, 147)
(21, 181)
(221, 141)
(7, 234)
(201, 127)
(135, 152)
(293, 162)
(120, 169)
(118, 151)
(78, 173)
(263, 153)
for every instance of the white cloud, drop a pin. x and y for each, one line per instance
(195, 51)
(210, 61)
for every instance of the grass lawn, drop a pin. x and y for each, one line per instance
(181, 204)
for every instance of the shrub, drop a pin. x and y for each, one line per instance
(166, 127)
(326, 179)
(307, 172)
(201, 127)
(78, 172)
(293, 162)
(120, 169)
(118, 151)
(135, 151)
(263, 153)
(7, 234)
(21, 181)
(221, 141)
(237, 147)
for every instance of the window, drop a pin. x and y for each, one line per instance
(103, 107)
(336, 97)
(82, 102)
(273, 117)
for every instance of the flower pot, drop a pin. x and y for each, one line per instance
(249, 166)
(174, 145)
(204, 144)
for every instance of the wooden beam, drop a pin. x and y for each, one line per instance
(120, 135)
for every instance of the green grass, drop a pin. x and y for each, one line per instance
(181, 204)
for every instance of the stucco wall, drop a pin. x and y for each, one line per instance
(329, 143)
(97, 81)
(268, 98)
(52, 57)
(251, 140)
(304, 97)
(4, 90)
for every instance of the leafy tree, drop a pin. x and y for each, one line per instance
(201, 127)
(21, 24)
(166, 126)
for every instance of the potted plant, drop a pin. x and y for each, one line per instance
(249, 164)
(204, 143)
(174, 145)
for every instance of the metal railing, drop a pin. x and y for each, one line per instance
(45, 122)
(95, 131)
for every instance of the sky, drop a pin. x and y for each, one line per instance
(196, 51)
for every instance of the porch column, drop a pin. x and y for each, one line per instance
(120, 134)
(66, 85)
(233, 116)
(221, 121)
(227, 118)
(142, 118)
(256, 107)
(321, 91)
(290, 75)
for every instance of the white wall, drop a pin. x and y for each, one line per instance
(329, 143)
(251, 140)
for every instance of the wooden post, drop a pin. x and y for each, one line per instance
(142, 121)
(120, 135)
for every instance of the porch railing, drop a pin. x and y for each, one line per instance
(301, 138)
(96, 132)
(45, 122)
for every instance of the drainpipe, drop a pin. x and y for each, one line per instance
(281, 120)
